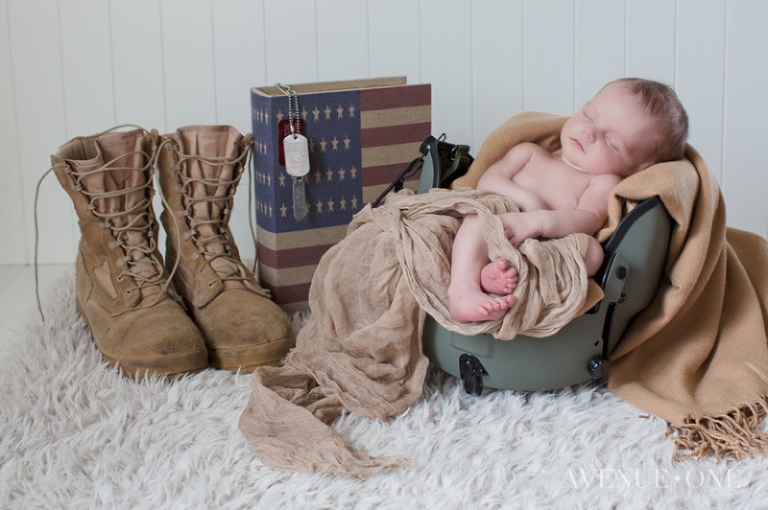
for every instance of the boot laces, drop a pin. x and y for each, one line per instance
(135, 219)
(133, 225)
(233, 269)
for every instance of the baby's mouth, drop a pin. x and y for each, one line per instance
(578, 144)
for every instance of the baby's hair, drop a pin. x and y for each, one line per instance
(662, 103)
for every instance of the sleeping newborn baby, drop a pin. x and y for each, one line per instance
(629, 125)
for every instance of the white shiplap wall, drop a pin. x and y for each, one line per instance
(76, 67)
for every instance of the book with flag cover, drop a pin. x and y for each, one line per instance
(361, 135)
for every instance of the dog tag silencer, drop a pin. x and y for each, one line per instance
(287, 127)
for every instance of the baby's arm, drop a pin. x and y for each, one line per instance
(498, 177)
(587, 218)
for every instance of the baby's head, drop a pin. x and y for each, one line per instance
(661, 103)
(629, 125)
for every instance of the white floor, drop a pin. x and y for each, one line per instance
(17, 298)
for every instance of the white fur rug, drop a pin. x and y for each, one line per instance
(76, 434)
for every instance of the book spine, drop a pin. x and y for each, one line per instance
(265, 165)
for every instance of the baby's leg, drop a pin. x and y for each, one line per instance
(594, 256)
(466, 299)
(498, 277)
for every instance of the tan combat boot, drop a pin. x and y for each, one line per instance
(199, 169)
(122, 289)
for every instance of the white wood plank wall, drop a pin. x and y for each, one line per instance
(76, 67)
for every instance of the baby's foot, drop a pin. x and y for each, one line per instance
(467, 305)
(498, 277)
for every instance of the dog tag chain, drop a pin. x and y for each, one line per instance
(296, 150)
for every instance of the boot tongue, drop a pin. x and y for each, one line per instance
(126, 155)
(208, 215)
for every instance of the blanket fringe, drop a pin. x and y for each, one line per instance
(734, 434)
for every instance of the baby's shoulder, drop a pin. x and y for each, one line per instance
(529, 153)
(529, 147)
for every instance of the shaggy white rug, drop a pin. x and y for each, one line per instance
(76, 434)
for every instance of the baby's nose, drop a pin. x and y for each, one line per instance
(589, 132)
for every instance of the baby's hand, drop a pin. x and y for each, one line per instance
(528, 201)
(520, 226)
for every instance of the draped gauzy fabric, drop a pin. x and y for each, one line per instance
(360, 352)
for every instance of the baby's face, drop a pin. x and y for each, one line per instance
(611, 134)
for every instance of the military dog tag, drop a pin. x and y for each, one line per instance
(288, 127)
(296, 150)
(299, 198)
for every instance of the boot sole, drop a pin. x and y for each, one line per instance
(246, 359)
(170, 366)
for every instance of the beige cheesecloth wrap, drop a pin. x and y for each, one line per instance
(697, 356)
(360, 352)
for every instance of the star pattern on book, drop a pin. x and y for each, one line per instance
(339, 148)
(319, 207)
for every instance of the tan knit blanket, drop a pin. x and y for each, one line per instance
(361, 350)
(698, 355)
